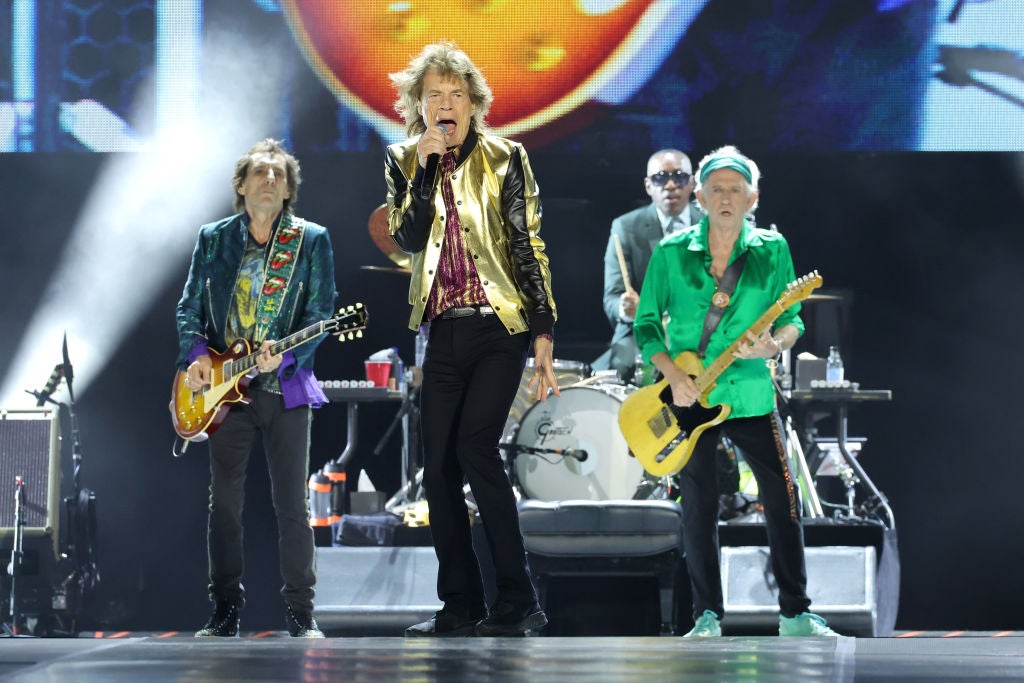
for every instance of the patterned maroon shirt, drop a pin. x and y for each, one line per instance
(457, 283)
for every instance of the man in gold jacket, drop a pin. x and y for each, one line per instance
(465, 204)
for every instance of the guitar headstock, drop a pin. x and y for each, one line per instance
(348, 323)
(800, 288)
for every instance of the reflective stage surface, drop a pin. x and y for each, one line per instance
(269, 657)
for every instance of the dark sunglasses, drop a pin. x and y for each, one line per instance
(661, 178)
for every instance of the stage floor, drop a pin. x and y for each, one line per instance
(271, 657)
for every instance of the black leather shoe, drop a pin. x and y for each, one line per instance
(508, 619)
(223, 622)
(301, 624)
(444, 625)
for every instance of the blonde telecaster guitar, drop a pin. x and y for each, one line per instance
(197, 414)
(662, 435)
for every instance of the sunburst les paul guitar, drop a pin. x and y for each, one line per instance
(197, 414)
(662, 435)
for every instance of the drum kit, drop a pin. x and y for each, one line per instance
(570, 446)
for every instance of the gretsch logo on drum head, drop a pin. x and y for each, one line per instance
(547, 429)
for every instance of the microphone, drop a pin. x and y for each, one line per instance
(430, 172)
(577, 454)
(429, 176)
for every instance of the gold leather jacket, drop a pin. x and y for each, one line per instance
(499, 211)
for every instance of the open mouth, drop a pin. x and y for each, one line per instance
(449, 125)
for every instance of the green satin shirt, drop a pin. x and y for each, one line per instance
(679, 282)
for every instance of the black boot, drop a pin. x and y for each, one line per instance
(223, 622)
(301, 624)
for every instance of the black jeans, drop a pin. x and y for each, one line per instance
(285, 435)
(761, 442)
(470, 377)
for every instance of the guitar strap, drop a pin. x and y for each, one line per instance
(720, 300)
(277, 271)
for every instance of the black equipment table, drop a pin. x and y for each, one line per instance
(352, 397)
(838, 400)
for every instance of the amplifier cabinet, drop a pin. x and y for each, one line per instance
(840, 584)
(30, 449)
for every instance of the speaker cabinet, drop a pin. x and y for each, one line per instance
(375, 590)
(840, 584)
(30, 449)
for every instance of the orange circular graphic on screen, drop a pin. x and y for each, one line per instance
(542, 58)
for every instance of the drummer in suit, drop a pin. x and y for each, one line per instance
(669, 184)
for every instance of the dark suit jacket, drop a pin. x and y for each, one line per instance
(639, 231)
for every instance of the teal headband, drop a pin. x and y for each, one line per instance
(724, 161)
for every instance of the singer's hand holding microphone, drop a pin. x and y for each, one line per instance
(432, 144)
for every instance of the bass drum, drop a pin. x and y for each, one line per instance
(566, 372)
(584, 418)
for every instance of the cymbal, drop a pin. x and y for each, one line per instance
(387, 269)
(821, 297)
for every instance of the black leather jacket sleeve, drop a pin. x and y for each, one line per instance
(412, 236)
(527, 268)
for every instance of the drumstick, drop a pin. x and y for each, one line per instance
(622, 263)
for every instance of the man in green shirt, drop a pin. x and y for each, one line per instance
(682, 278)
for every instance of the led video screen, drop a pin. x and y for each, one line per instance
(836, 75)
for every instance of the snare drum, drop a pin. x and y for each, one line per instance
(584, 418)
(566, 372)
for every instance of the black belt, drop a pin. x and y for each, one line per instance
(466, 312)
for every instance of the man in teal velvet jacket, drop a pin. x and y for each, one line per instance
(259, 275)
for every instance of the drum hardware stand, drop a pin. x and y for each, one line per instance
(17, 554)
(79, 549)
(877, 499)
(850, 481)
(408, 416)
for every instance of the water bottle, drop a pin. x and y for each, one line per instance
(834, 366)
(421, 344)
(335, 474)
(319, 499)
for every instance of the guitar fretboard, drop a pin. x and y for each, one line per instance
(243, 365)
(796, 291)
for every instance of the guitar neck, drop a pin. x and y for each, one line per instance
(726, 358)
(242, 365)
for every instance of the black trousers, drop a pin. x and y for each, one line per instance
(760, 440)
(471, 374)
(285, 435)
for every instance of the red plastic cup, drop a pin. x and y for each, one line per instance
(378, 371)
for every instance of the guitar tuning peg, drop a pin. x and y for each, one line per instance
(359, 334)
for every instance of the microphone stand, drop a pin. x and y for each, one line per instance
(80, 544)
(534, 450)
(17, 553)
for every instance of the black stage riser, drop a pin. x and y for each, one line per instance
(381, 590)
